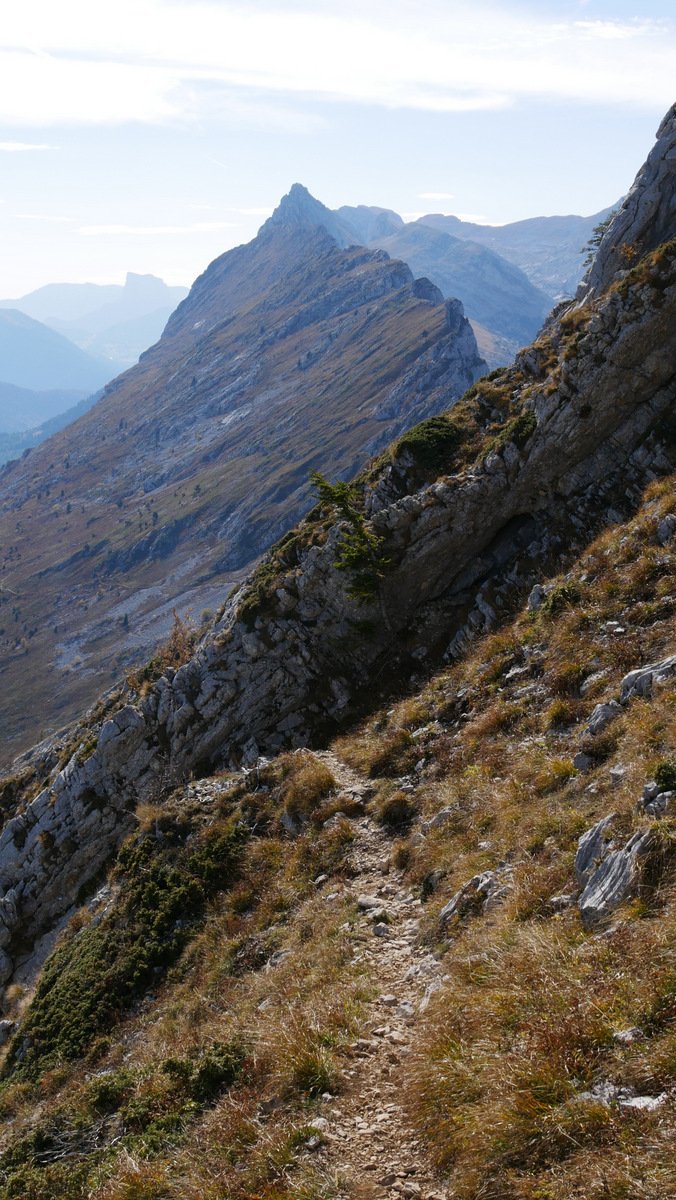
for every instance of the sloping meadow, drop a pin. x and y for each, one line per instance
(197, 1009)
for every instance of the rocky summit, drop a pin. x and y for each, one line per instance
(371, 892)
(289, 354)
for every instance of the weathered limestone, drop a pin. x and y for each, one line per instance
(641, 681)
(615, 879)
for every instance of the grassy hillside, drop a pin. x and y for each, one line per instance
(213, 1020)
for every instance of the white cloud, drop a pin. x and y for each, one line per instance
(44, 217)
(20, 147)
(168, 60)
(154, 230)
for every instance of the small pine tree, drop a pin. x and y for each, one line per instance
(360, 548)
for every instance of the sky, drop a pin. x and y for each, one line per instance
(152, 135)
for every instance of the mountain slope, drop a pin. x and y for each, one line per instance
(494, 293)
(549, 250)
(35, 357)
(437, 956)
(430, 543)
(289, 354)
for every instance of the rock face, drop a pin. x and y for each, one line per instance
(645, 219)
(299, 209)
(294, 651)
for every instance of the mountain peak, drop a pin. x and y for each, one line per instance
(299, 209)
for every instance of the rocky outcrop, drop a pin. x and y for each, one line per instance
(480, 894)
(611, 874)
(642, 680)
(300, 209)
(646, 217)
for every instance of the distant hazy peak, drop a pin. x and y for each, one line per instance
(299, 209)
(369, 221)
(146, 283)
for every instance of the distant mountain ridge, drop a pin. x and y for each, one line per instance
(549, 250)
(35, 357)
(114, 321)
(493, 291)
(14, 442)
(508, 277)
(289, 354)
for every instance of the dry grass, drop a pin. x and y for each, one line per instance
(307, 781)
(525, 1022)
(526, 1026)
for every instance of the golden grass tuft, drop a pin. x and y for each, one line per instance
(306, 782)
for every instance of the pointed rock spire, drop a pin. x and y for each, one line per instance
(299, 209)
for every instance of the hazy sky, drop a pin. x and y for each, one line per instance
(151, 135)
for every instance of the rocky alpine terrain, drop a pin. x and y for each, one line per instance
(289, 354)
(372, 892)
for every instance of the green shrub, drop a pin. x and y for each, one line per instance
(360, 549)
(217, 1069)
(518, 431)
(96, 974)
(566, 595)
(665, 775)
(432, 443)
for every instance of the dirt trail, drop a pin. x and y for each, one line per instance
(370, 1147)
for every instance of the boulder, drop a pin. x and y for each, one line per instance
(480, 893)
(593, 847)
(602, 716)
(641, 680)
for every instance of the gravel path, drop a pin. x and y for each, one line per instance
(369, 1146)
